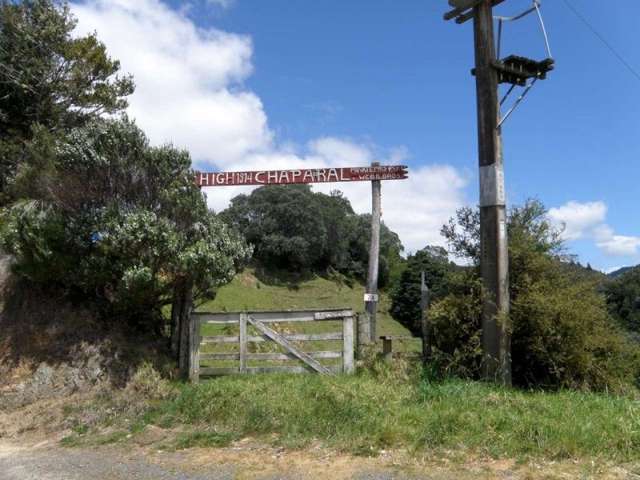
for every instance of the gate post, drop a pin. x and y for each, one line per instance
(347, 345)
(194, 349)
(363, 333)
(243, 342)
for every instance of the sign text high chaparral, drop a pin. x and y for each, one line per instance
(302, 176)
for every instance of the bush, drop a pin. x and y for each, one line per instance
(562, 334)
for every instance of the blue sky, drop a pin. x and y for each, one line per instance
(334, 80)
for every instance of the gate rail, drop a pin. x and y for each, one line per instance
(260, 321)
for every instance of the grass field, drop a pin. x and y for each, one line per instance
(363, 414)
(247, 292)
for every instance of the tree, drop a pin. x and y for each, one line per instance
(623, 298)
(390, 262)
(49, 78)
(562, 334)
(118, 224)
(296, 229)
(284, 223)
(406, 294)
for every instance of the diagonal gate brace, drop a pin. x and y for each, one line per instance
(283, 342)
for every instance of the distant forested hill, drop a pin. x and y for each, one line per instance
(621, 271)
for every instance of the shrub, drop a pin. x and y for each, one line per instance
(562, 334)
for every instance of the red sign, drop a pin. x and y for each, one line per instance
(307, 175)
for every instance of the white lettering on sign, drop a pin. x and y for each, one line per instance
(311, 175)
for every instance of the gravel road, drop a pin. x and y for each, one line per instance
(51, 462)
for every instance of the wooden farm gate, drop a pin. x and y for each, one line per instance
(237, 331)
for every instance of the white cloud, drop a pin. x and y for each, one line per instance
(587, 220)
(620, 245)
(577, 219)
(188, 80)
(190, 92)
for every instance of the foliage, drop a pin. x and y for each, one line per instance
(49, 77)
(296, 229)
(406, 294)
(562, 335)
(116, 221)
(623, 298)
(248, 292)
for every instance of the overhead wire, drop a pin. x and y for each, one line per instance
(600, 37)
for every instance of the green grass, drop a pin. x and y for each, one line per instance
(246, 292)
(364, 413)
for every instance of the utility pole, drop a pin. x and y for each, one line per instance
(371, 295)
(496, 344)
(494, 261)
(490, 71)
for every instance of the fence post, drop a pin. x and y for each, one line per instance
(364, 333)
(387, 349)
(186, 344)
(347, 345)
(243, 342)
(194, 348)
(426, 328)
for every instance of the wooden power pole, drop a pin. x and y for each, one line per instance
(496, 344)
(493, 222)
(371, 295)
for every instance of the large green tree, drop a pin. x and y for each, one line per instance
(49, 78)
(294, 228)
(118, 223)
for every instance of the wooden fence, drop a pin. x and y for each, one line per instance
(264, 329)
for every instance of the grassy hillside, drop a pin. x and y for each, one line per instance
(247, 292)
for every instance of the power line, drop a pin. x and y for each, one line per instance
(604, 41)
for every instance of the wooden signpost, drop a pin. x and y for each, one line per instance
(375, 173)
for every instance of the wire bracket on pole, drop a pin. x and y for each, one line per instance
(517, 102)
(520, 71)
(514, 70)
